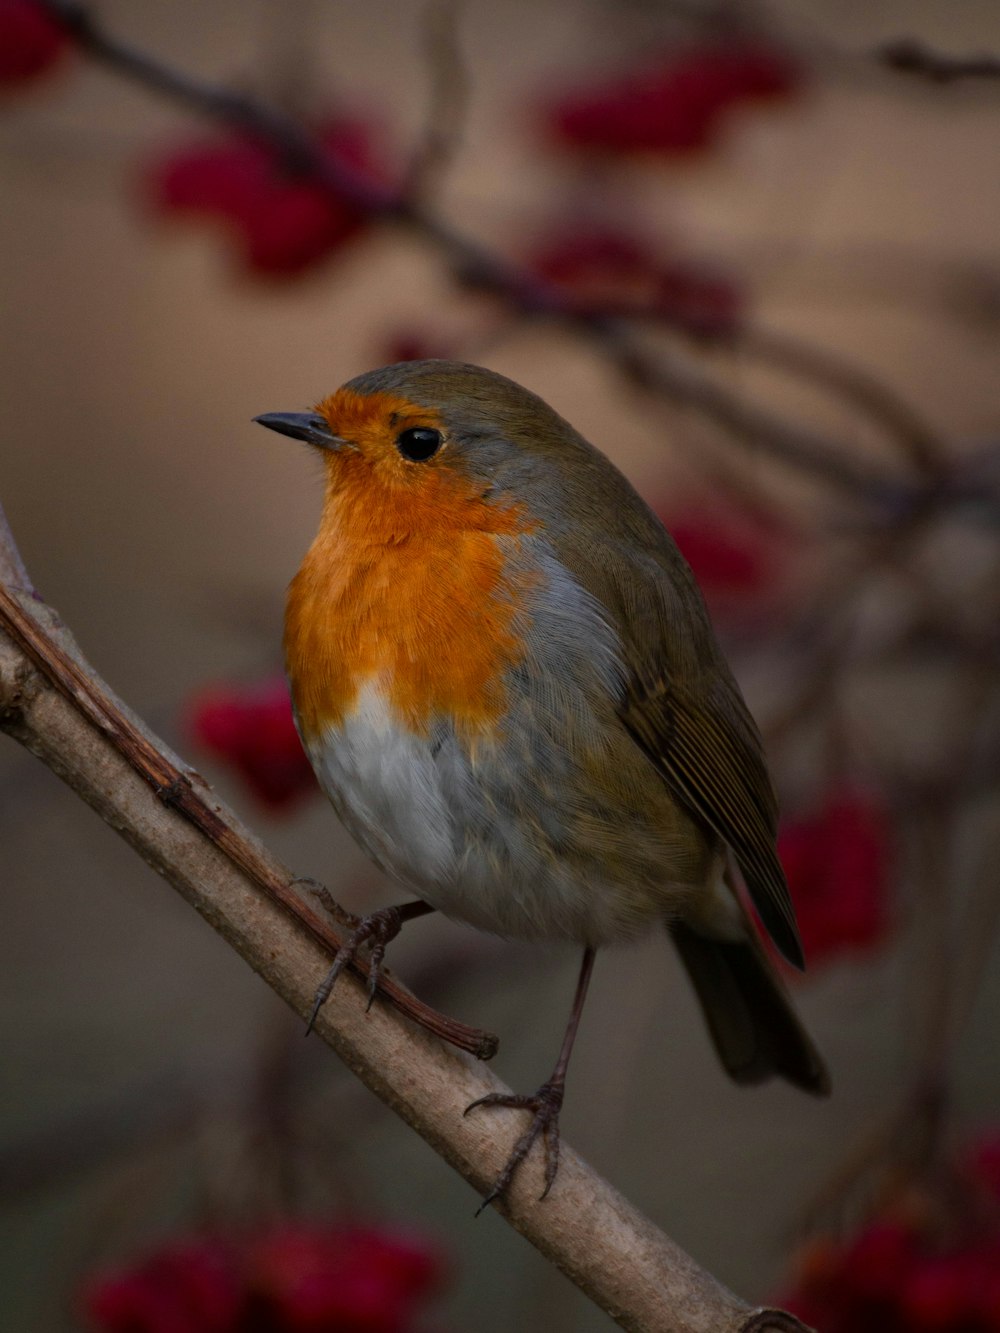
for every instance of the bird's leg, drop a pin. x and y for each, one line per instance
(377, 929)
(545, 1104)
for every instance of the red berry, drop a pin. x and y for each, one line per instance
(838, 861)
(214, 179)
(281, 224)
(251, 728)
(604, 270)
(744, 560)
(575, 254)
(982, 1163)
(292, 229)
(291, 1278)
(676, 105)
(31, 41)
(986, 1287)
(408, 1262)
(694, 298)
(359, 1280)
(938, 1296)
(879, 1261)
(187, 1288)
(734, 554)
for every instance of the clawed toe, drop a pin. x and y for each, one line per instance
(545, 1106)
(377, 929)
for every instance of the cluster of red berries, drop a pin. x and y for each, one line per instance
(280, 224)
(250, 727)
(288, 1279)
(31, 42)
(739, 557)
(907, 1271)
(604, 271)
(677, 104)
(839, 863)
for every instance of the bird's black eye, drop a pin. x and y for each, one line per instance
(418, 443)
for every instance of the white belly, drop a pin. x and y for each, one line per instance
(388, 790)
(480, 849)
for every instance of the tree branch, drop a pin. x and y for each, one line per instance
(806, 451)
(54, 704)
(906, 55)
(448, 96)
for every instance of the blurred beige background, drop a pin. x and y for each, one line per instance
(164, 527)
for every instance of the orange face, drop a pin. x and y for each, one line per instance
(407, 583)
(372, 424)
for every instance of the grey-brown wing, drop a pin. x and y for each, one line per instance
(680, 702)
(708, 750)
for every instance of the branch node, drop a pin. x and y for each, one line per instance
(23, 687)
(171, 794)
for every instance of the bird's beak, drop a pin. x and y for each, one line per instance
(308, 426)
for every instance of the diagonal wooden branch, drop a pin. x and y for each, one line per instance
(54, 704)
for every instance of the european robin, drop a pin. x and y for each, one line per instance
(505, 677)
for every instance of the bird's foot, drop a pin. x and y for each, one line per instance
(545, 1105)
(377, 930)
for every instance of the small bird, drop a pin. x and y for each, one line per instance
(505, 677)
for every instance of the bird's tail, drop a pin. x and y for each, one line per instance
(753, 1025)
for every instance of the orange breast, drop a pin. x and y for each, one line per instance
(405, 583)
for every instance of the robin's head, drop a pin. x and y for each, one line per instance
(435, 426)
(438, 444)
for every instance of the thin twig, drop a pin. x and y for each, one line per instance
(909, 56)
(683, 384)
(448, 100)
(921, 447)
(930, 1002)
(977, 929)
